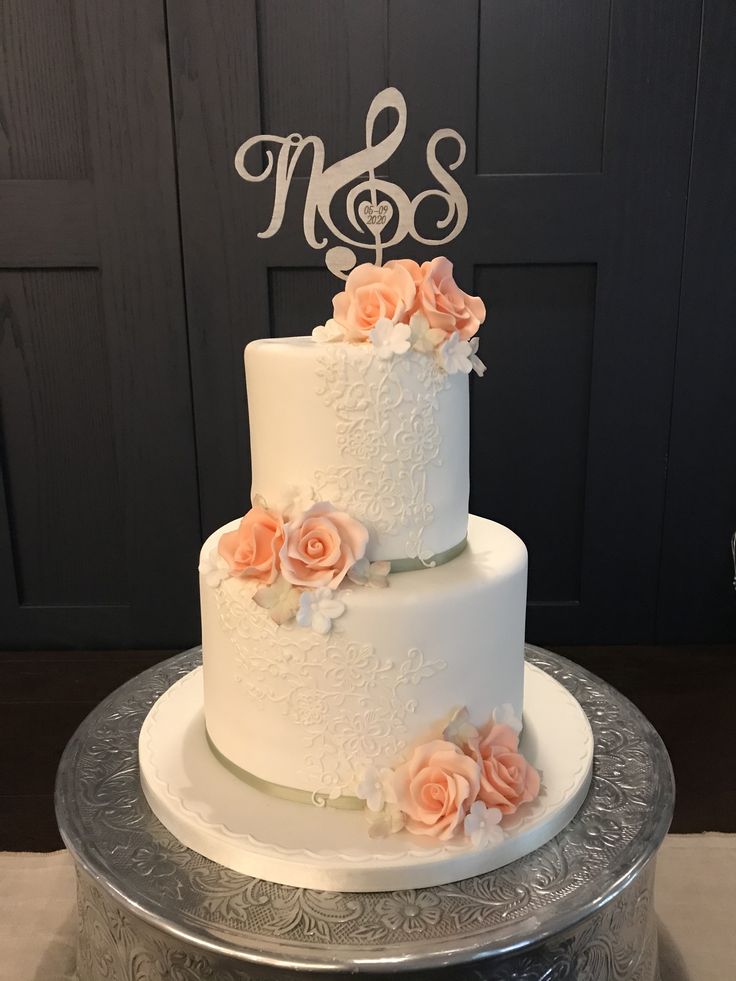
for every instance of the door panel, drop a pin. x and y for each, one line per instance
(578, 120)
(98, 509)
(697, 601)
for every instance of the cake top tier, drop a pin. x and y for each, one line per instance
(383, 439)
(371, 412)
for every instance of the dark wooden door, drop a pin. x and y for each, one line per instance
(131, 277)
(99, 521)
(578, 119)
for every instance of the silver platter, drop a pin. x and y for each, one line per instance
(578, 908)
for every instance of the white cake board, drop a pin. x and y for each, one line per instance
(215, 813)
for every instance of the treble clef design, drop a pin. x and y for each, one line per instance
(373, 204)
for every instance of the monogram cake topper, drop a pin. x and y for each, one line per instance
(380, 212)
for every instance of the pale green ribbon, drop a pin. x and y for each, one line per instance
(415, 564)
(280, 790)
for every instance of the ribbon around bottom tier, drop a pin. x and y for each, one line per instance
(414, 564)
(315, 798)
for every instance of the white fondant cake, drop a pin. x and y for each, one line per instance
(384, 440)
(308, 711)
(363, 638)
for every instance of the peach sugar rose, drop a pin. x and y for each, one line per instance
(444, 304)
(507, 779)
(402, 288)
(436, 787)
(252, 550)
(320, 547)
(371, 293)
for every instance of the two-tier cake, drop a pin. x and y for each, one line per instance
(362, 635)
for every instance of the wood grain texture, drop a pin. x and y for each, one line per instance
(47, 223)
(299, 298)
(541, 86)
(538, 383)
(59, 452)
(649, 119)
(131, 148)
(42, 122)
(697, 598)
(319, 69)
(99, 528)
(230, 60)
(214, 79)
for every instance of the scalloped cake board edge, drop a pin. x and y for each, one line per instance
(219, 816)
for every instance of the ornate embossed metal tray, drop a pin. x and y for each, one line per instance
(578, 907)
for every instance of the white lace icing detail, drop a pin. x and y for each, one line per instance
(353, 705)
(388, 434)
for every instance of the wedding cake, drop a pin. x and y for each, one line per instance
(362, 635)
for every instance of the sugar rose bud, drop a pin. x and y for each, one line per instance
(252, 550)
(507, 779)
(444, 304)
(373, 293)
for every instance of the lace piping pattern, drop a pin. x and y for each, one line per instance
(353, 705)
(389, 436)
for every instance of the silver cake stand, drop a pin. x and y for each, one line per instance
(578, 909)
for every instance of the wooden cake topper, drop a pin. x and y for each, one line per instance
(375, 207)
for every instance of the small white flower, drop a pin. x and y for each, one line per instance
(423, 337)
(294, 501)
(280, 599)
(214, 568)
(454, 355)
(318, 608)
(376, 788)
(459, 729)
(329, 332)
(386, 822)
(389, 339)
(482, 825)
(505, 715)
(365, 573)
(478, 367)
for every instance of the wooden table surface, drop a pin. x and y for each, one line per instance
(688, 693)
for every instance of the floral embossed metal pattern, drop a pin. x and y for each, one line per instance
(112, 833)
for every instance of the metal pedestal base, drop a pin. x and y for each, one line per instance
(578, 909)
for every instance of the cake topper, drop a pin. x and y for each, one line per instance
(375, 207)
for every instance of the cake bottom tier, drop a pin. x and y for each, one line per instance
(307, 714)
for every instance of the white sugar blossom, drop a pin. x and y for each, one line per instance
(477, 365)
(329, 332)
(481, 825)
(386, 822)
(454, 355)
(280, 599)
(505, 715)
(459, 729)
(389, 339)
(365, 573)
(214, 568)
(376, 788)
(295, 501)
(423, 337)
(318, 608)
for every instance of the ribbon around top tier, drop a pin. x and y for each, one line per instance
(315, 798)
(415, 564)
